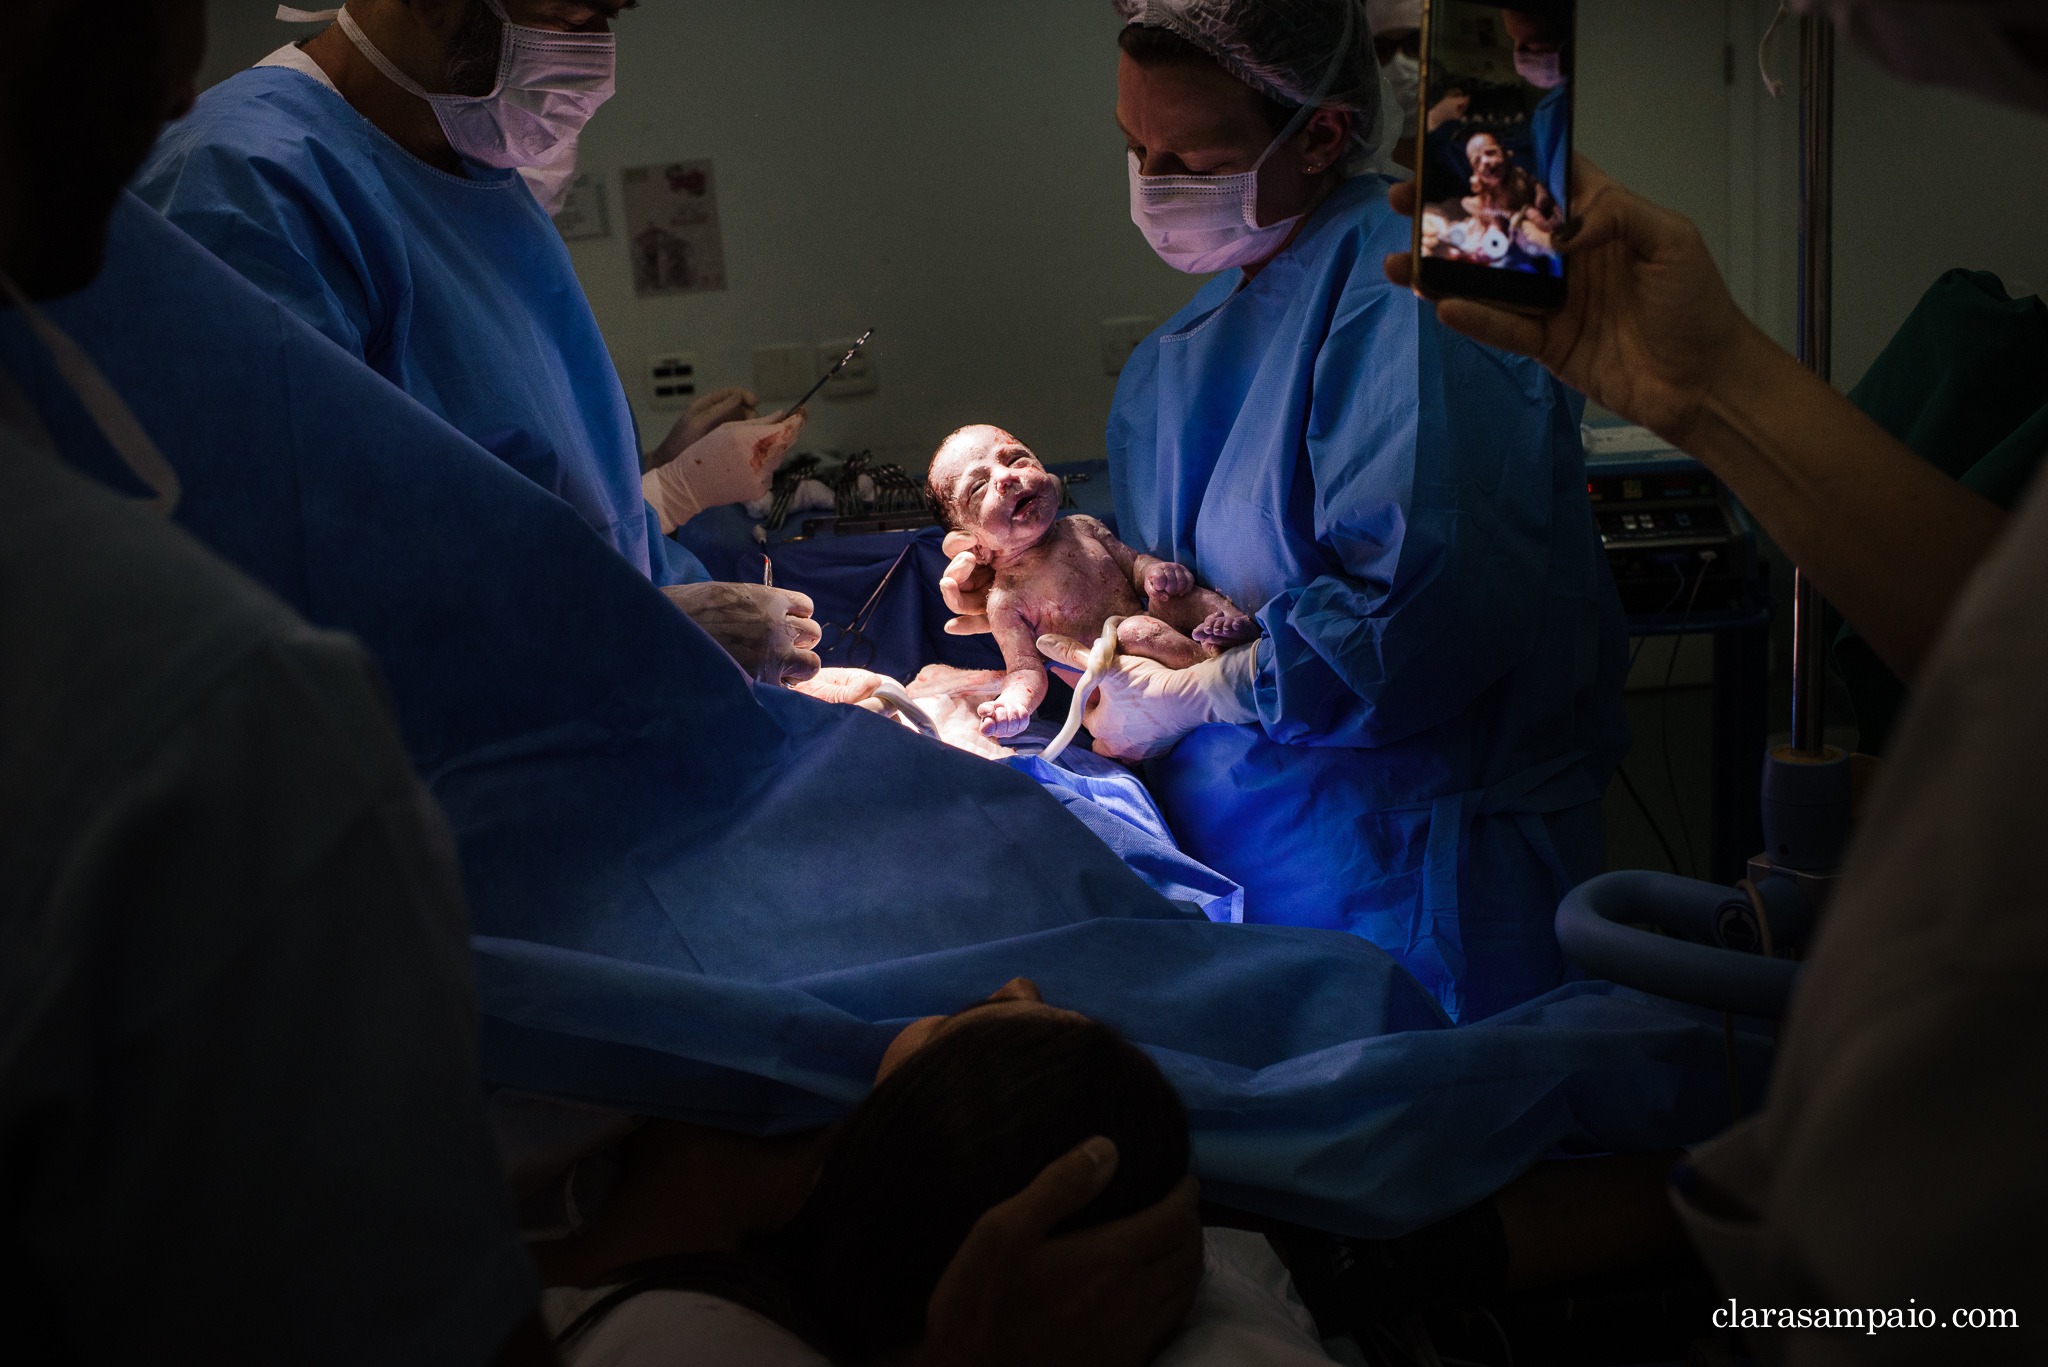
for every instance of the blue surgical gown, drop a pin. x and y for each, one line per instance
(1439, 689)
(1550, 133)
(457, 289)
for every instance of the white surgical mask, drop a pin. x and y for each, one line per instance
(1206, 223)
(1404, 77)
(1544, 70)
(108, 410)
(548, 86)
(1200, 224)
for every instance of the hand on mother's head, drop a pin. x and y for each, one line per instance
(965, 1206)
(1103, 1297)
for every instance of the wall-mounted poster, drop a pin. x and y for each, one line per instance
(582, 214)
(672, 228)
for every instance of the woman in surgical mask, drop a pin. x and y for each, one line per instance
(1543, 58)
(1416, 749)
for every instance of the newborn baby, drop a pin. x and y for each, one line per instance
(1503, 193)
(1064, 575)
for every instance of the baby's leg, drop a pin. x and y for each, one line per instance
(1223, 625)
(1155, 640)
(1023, 690)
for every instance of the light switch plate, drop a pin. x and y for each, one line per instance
(672, 379)
(784, 372)
(857, 377)
(1120, 337)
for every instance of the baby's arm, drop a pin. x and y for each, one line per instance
(1024, 681)
(1149, 575)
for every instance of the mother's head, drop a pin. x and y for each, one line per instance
(1204, 87)
(967, 1110)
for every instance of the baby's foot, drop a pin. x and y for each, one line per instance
(1221, 629)
(1000, 720)
(1168, 580)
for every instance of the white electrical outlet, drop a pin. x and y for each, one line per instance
(1120, 337)
(857, 376)
(672, 379)
(784, 372)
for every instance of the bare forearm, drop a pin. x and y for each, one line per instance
(1889, 539)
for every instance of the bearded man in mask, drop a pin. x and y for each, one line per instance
(390, 182)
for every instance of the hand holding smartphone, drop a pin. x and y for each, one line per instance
(1493, 157)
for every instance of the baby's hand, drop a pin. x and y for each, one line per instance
(1000, 720)
(1168, 580)
(1225, 629)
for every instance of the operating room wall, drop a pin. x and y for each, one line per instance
(949, 175)
(1927, 180)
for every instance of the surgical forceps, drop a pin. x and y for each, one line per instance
(863, 341)
(853, 636)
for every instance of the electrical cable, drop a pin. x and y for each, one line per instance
(1763, 920)
(1664, 712)
(1643, 807)
(1642, 641)
(1501, 1334)
(1620, 771)
(1734, 1082)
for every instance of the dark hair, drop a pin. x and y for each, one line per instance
(941, 505)
(962, 1125)
(1150, 45)
(966, 1123)
(941, 501)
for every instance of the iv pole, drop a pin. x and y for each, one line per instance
(1707, 955)
(1816, 290)
(1805, 799)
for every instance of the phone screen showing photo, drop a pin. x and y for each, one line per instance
(1496, 136)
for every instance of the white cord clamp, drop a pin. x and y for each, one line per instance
(1101, 656)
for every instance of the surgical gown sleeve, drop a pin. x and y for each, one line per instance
(1433, 516)
(251, 212)
(669, 560)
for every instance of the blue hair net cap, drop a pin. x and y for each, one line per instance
(1298, 52)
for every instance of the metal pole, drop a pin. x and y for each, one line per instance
(1816, 239)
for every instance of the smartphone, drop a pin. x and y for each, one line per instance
(1493, 151)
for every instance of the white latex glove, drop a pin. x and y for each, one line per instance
(769, 631)
(1141, 708)
(732, 463)
(730, 404)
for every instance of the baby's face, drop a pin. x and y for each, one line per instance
(997, 490)
(1486, 155)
